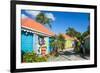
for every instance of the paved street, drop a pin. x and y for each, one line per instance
(67, 55)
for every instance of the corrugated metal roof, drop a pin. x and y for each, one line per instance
(67, 37)
(32, 24)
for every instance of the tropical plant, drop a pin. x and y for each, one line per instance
(78, 36)
(40, 59)
(71, 32)
(43, 19)
(54, 45)
(30, 57)
(22, 53)
(58, 43)
(61, 41)
(88, 29)
(87, 32)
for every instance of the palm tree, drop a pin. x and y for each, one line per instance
(71, 31)
(43, 19)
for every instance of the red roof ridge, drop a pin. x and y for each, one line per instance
(66, 36)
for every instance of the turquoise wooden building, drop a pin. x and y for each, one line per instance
(35, 37)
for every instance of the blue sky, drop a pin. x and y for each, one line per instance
(63, 20)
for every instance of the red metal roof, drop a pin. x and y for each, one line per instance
(67, 37)
(32, 24)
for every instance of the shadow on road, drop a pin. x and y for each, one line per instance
(69, 53)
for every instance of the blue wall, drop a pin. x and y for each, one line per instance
(26, 41)
(29, 42)
(51, 48)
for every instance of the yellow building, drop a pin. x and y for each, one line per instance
(68, 41)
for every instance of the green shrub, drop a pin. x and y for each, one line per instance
(22, 53)
(56, 55)
(32, 57)
(77, 48)
(40, 59)
(29, 56)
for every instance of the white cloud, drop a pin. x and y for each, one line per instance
(24, 16)
(34, 13)
(50, 15)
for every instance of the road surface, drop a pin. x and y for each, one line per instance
(67, 55)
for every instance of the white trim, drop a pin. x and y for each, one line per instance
(36, 31)
(52, 64)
